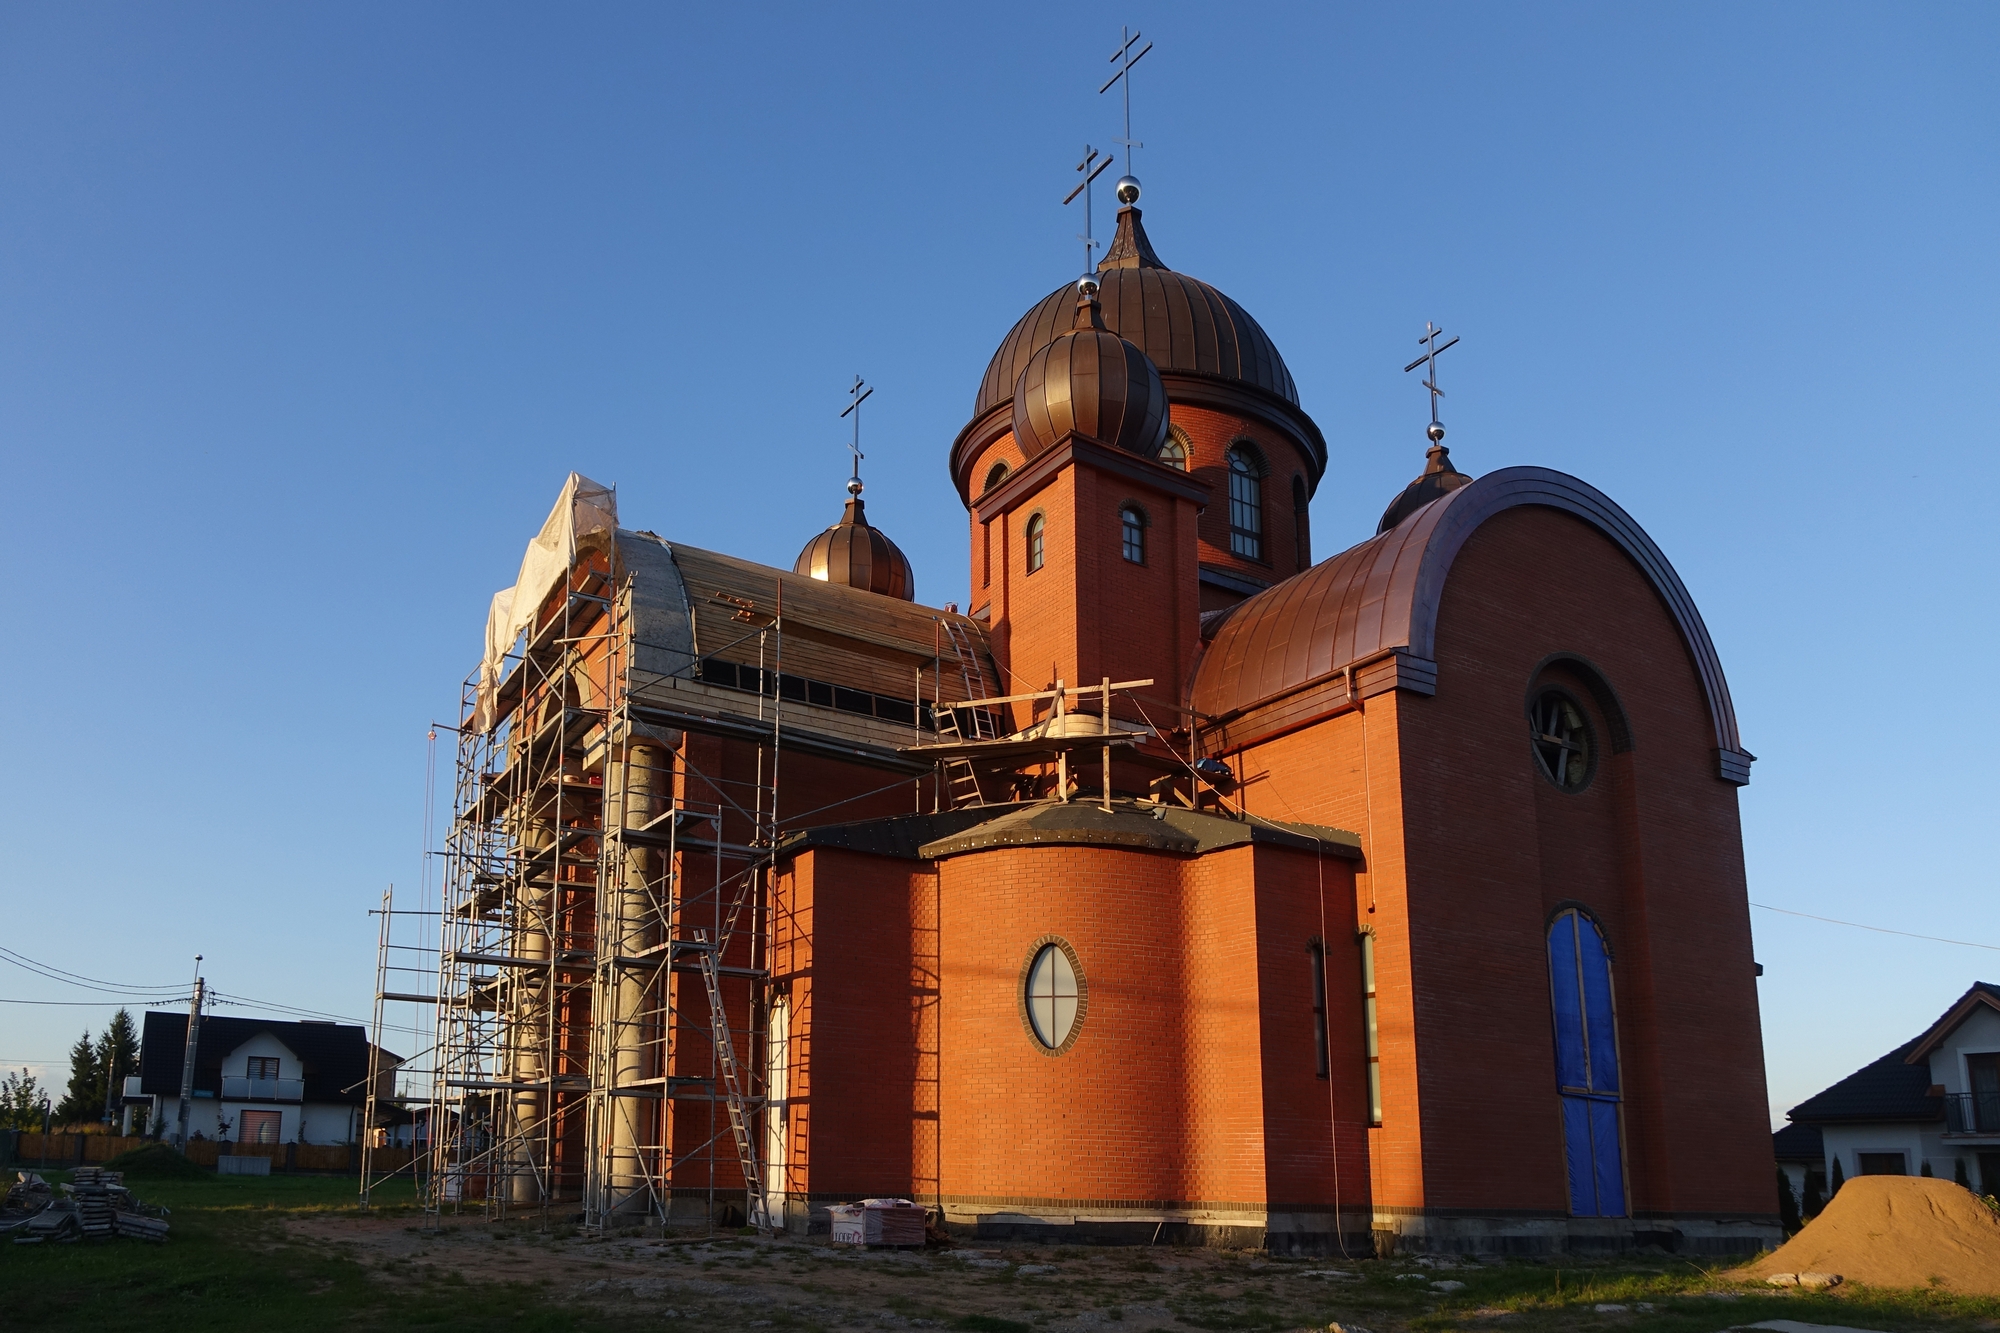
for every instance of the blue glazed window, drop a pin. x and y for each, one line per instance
(1586, 1033)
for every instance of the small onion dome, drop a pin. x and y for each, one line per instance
(1090, 382)
(853, 553)
(1439, 478)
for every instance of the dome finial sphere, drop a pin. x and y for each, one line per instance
(1088, 286)
(854, 486)
(1128, 189)
(1436, 432)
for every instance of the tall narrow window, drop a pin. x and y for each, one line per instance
(1132, 526)
(1174, 453)
(1301, 524)
(1587, 1065)
(1246, 505)
(985, 555)
(1368, 1020)
(1316, 954)
(1036, 530)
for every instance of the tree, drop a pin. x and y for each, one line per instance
(20, 1102)
(117, 1053)
(81, 1102)
(1958, 1175)
(1788, 1204)
(1839, 1178)
(1815, 1199)
(1925, 1169)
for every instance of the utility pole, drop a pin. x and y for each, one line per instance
(187, 1060)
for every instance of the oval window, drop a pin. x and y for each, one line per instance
(1052, 996)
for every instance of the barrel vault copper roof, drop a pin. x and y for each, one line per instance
(1383, 596)
(1182, 323)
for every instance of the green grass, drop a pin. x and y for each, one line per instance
(228, 1266)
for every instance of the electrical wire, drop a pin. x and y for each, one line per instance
(1880, 930)
(52, 973)
(246, 1002)
(106, 1004)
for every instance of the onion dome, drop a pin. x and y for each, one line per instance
(1439, 478)
(1182, 323)
(1090, 382)
(857, 555)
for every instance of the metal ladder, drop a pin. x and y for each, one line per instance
(732, 1083)
(959, 775)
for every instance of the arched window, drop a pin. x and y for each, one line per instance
(1132, 532)
(1246, 504)
(1301, 523)
(1037, 530)
(1587, 1083)
(1564, 743)
(1174, 453)
(994, 476)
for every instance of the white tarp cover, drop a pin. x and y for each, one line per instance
(583, 510)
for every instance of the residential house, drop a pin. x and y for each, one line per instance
(1933, 1102)
(259, 1080)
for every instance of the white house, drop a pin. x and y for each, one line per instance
(259, 1080)
(1933, 1102)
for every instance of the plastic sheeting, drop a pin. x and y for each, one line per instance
(583, 511)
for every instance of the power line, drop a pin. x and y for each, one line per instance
(1880, 930)
(106, 1004)
(52, 973)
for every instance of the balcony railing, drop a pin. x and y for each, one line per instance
(1972, 1113)
(262, 1089)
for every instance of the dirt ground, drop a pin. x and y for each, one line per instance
(745, 1282)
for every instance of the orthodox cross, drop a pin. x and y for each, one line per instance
(1124, 59)
(1090, 173)
(1429, 342)
(859, 393)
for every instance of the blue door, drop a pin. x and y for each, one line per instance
(1586, 1065)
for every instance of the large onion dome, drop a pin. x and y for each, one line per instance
(860, 556)
(1182, 323)
(1090, 382)
(1208, 351)
(1439, 478)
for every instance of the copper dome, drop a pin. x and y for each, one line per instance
(859, 556)
(1439, 478)
(1091, 382)
(1182, 323)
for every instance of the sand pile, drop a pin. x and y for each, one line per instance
(1898, 1231)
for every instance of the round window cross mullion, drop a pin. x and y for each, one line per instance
(1565, 747)
(1052, 995)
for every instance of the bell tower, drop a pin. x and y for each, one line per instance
(1085, 551)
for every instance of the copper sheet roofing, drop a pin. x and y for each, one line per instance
(1090, 382)
(1182, 323)
(855, 553)
(1384, 595)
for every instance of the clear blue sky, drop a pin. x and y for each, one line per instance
(306, 311)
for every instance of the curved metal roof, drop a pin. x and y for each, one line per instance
(1182, 323)
(853, 553)
(1092, 382)
(1384, 595)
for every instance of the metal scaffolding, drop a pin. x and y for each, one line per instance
(602, 952)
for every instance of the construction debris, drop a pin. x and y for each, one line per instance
(96, 1206)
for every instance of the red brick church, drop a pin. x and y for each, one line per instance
(1185, 889)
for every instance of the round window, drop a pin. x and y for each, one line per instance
(1564, 746)
(1053, 997)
